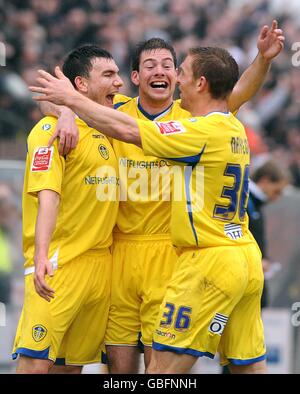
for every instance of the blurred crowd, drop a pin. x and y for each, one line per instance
(38, 33)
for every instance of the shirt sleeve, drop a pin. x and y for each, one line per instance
(181, 141)
(45, 165)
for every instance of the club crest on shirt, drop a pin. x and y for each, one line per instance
(42, 158)
(168, 128)
(39, 332)
(103, 152)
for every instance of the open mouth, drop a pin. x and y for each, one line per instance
(110, 98)
(159, 85)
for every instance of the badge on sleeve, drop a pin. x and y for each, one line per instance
(42, 158)
(168, 128)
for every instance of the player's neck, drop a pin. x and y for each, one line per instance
(211, 105)
(153, 107)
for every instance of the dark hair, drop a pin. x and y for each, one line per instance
(270, 170)
(150, 45)
(218, 67)
(79, 61)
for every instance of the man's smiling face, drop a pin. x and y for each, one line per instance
(157, 75)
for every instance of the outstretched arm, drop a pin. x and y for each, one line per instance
(60, 91)
(270, 43)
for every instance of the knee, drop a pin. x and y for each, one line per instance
(151, 368)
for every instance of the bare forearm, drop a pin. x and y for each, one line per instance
(249, 83)
(113, 123)
(50, 109)
(46, 220)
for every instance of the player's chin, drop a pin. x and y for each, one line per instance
(161, 94)
(183, 105)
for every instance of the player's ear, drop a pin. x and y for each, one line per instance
(202, 84)
(81, 84)
(135, 78)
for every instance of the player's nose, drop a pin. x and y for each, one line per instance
(118, 81)
(159, 70)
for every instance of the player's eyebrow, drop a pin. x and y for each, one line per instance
(110, 70)
(152, 59)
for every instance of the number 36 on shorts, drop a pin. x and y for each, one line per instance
(177, 317)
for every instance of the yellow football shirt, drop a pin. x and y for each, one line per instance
(87, 182)
(211, 173)
(145, 195)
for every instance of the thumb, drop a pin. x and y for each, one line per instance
(59, 73)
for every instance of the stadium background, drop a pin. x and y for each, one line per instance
(37, 34)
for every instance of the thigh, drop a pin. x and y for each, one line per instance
(123, 359)
(243, 339)
(28, 365)
(205, 287)
(124, 323)
(43, 325)
(82, 342)
(170, 363)
(159, 261)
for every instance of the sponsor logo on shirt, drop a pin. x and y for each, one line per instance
(103, 152)
(218, 323)
(165, 334)
(39, 332)
(233, 231)
(97, 180)
(124, 162)
(168, 128)
(42, 158)
(98, 136)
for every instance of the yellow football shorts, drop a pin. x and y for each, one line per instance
(142, 267)
(69, 329)
(212, 303)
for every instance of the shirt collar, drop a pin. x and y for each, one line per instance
(257, 192)
(155, 116)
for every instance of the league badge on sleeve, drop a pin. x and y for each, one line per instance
(168, 128)
(42, 158)
(46, 127)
